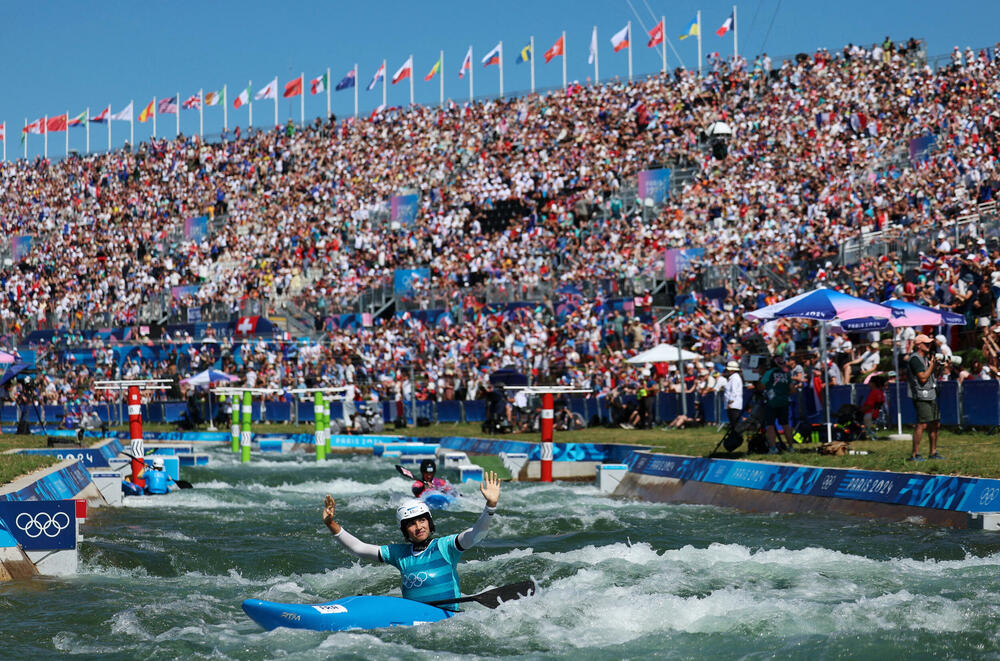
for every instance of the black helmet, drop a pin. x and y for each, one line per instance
(428, 466)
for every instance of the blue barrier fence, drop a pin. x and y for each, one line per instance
(971, 404)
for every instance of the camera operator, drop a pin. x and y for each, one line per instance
(922, 366)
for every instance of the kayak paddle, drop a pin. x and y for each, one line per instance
(181, 484)
(405, 472)
(493, 598)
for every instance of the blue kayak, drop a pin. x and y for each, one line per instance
(360, 612)
(438, 500)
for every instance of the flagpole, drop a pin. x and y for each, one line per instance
(25, 134)
(225, 110)
(201, 112)
(302, 100)
(411, 78)
(699, 43)
(384, 83)
(327, 93)
(441, 81)
(629, 26)
(178, 131)
(564, 59)
(735, 41)
(250, 105)
(108, 120)
(45, 137)
(531, 60)
(154, 117)
(131, 126)
(355, 90)
(663, 22)
(501, 69)
(67, 133)
(596, 69)
(472, 67)
(86, 127)
(276, 101)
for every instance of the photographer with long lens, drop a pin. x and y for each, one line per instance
(922, 381)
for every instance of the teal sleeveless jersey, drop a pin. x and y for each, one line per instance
(430, 575)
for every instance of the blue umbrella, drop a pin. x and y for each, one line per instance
(824, 305)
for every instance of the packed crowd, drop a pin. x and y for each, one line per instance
(813, 161)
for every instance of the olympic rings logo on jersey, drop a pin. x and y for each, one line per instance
(415, 580)
(42, 523)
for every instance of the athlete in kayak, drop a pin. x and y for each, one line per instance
(427, 479)
(427, 565)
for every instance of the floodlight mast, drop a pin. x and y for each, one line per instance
(548, 419)
(134, 386)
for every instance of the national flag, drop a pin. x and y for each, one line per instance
(347, 81)
(56, 124)
(727, 26)
(436, 69)
(321, 84)
(269, 91)
(146, 113)
(692, 29)
(102, 116)
(593, 47)
(193, 102)
(167, 106)
(79, 120)
(466, 63)
(558, 48)
(246, 325)
(242, 99)
(293, 88)
(620, 39)
(404, 71)
(215, 98)
(656, 35)
(379, 75)
(525, 54)
(36, 127)
(493, 57)
(125, 115)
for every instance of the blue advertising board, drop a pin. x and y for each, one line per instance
(403, 208)
(46, 525)
(405, 279)
(654, 185)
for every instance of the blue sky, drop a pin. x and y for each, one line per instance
(65, 56)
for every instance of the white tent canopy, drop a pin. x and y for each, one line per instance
(663, 353)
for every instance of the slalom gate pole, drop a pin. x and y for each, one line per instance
(235, 427)
(326, 426)
(245, 434)
(135, 435)
(318, 424)
(547, 422)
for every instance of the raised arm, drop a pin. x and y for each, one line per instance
(490, 488)
(347, 540)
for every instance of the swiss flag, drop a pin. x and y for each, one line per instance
(293, 88)
(656, 35)
(246, 325)
(558, 48)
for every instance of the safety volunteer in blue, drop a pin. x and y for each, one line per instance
(427, 565)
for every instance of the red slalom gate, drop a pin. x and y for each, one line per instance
(134, 388)
(547, 422)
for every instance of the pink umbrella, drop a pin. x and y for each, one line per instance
(6, 358)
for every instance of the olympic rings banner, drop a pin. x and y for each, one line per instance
(40, 525)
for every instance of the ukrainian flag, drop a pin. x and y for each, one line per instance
(692, 29)
(525, 54)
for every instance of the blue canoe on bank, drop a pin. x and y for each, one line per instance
(360, 612)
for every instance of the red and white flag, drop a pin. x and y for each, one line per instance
(293, 88)
(102, 116)
(246, 325)
(466, 63)
(3, 131)
(242, 99)
(620, 39)
(269, 91)
(36, 127)
(656, 35)
(405, 71)
(558, 48)
(727, 26)
(193, 102)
